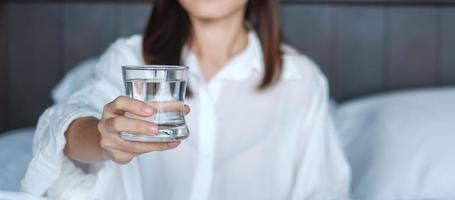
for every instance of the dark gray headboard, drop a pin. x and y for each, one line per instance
(362, 48)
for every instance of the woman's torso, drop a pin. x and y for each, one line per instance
(244, 143)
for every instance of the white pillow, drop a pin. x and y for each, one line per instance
(73, 80)
(401, 145)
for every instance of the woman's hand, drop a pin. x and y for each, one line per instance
(113, 122)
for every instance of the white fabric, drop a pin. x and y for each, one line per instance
(401, 145)
(5, 195)
(15, 155)
(74, 80)
(244, 144)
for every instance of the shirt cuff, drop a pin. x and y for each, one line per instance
(48, 144)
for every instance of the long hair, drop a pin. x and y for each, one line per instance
(169, 28)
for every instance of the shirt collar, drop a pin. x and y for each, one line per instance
(240, 67)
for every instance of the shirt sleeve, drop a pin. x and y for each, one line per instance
(322, 170)
(49, 162)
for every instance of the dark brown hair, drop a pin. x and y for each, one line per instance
(169, 28)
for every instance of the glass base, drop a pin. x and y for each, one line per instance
(166, 135)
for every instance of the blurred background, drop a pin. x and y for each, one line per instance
(363, 46)
(390, 64)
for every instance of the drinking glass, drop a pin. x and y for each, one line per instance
(164, 87)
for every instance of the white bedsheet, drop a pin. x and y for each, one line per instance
(15, 154)
(5, 195)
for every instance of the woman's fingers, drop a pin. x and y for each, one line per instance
(114, 122)
(169, 106)
(122, 151)
(124, 104)
(186, 109)
(124, 124)
(120, 157)
(144, 147)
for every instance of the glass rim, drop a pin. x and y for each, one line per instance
(154, 67)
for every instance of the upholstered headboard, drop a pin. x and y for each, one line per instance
(364, 48)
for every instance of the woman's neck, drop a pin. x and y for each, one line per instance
(217, 41)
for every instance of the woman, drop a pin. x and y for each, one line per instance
(260, 122)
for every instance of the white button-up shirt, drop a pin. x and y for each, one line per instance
(278, 143)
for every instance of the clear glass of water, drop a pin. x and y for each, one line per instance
(164, 87)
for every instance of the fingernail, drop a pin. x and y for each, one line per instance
(153, 129)
(149, 110)
(173, 144)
